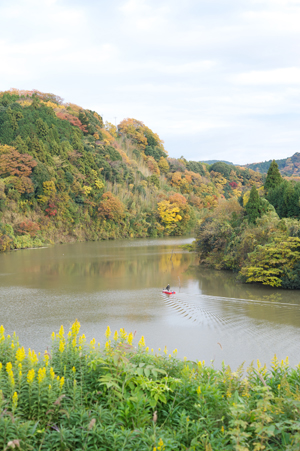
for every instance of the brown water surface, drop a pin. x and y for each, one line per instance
(119, 283)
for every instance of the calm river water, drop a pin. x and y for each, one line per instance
(119, 283)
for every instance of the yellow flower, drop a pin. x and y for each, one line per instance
(32, 357)
(116, 335)
(199, 390)
(46, 358)
(53, 335)
(108, 332)
(8, 367)
(30, 376)
(279, 386)
(12, 346)
(222, 429)
(75, 327)
(165, 350)
(92, 343)
(61, 332)
(123, 333)
(2, 330)
(52, 374)
(82, 339)
(74, 370)
(50, 386)
(74, 342)
(61, 346)
(175, 352)
(130, 338)
(62, 381)
(0, 366)
(15, 400)
(142, 342)
(41, 375)
(107, 344)
(160, 444)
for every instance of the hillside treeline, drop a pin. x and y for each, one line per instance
(289, 167)
(65, 176)
(257, 235)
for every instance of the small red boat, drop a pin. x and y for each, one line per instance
(168, 292)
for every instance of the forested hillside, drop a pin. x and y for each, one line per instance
(287, 166)
(66, 176)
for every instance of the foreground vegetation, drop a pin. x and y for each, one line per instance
(79, 396)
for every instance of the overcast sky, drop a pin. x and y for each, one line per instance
(216, 79)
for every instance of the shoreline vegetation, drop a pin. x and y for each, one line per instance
(256, 235)
(79, 395)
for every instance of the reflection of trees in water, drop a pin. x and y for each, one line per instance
(133, 268)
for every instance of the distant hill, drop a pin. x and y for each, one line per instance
(287, 166)
(216, 161)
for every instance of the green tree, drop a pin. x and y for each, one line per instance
(255, 206)
(273, 177)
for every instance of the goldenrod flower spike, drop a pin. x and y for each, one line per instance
(75, 327)
(20, 354)
(82, 339)
(41, 375)
(61, 332)
(30, 376)
(52, 374)
(108, 332)
(142, 343)
(116, 335)
(61, 346)
(130, 338)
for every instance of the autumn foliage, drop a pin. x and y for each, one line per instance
(27, 227)
(72, 119)
(110, 207)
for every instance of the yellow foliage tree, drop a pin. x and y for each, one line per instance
(111, 128)
(163, 165)
(168, 214)
(49, 188)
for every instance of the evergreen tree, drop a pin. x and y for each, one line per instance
(273, 177)
(254, 207)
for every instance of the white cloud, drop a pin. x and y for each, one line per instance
(220, 76)
(280, 76)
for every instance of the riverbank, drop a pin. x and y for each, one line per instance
(79, 395)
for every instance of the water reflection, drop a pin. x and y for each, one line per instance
(119, 283)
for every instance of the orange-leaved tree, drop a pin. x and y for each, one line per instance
(13, 163)
(111, 207)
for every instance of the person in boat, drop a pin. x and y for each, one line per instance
(168, 287)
